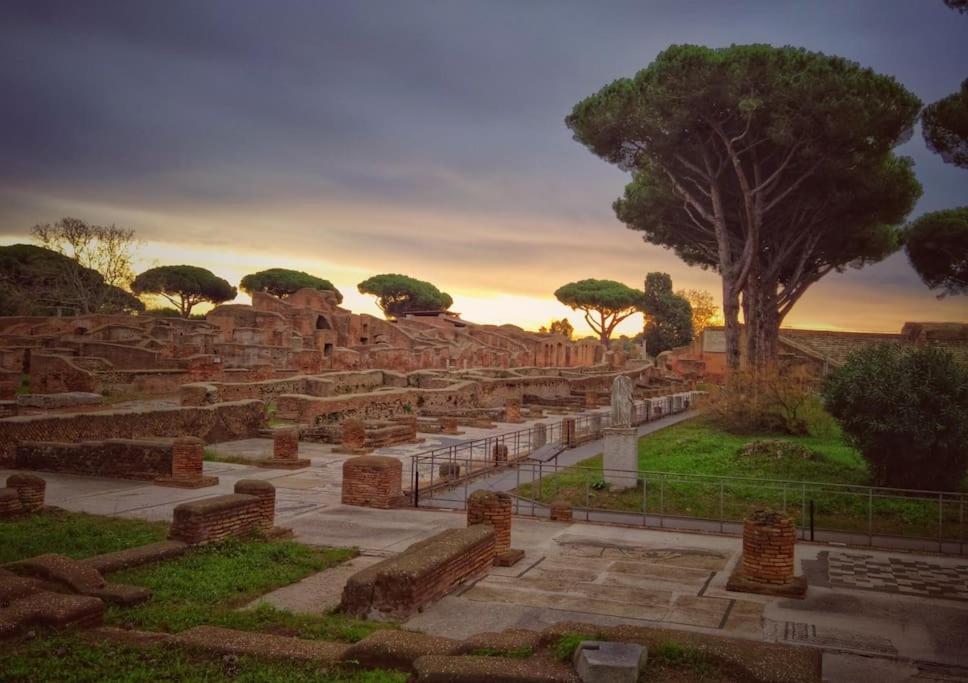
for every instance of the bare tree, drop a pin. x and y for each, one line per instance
(108, 250)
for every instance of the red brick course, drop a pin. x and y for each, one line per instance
(30, 490)
(250, 510)
(187, 454)
(372, 481)
(560, 511)
(493, 508)
(769, 539)
(285, 444)
(426, 571)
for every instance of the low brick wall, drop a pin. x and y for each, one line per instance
(493, 508)
(251, 509)
(114, 458)
(426, 571)
(221, 422)
(30, 490)
(769, 541)
(373, 481)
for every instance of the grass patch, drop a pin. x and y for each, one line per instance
(75, 534)
(522, 652)
(211, 455)
(71, 659)
(564, 648)
(208, 585)
(697, 447)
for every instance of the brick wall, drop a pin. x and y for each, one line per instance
(372, 481)
(187, 454)
(285, 444)
(493, 508)
(769, 539)
(426, 571)
(222, 422)
(251, 509)
(30, 490)
(113, 458)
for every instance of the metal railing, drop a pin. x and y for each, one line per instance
(473, 458)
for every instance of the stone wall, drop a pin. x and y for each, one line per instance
(251, 509)
(221, 422)
(426, 571)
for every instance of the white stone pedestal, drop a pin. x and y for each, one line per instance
(621, 453)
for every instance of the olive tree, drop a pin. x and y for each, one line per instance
(184, 286)
(605, 303)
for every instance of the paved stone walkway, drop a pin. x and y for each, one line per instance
(909, 576)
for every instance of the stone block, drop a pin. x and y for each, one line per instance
(509, 557)
(604, 662)
(539, 435)
(620, 464)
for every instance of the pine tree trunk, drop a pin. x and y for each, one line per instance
(731, 318)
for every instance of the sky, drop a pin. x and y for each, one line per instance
(423, 137)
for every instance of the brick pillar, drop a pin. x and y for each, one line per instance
(591, 400)
(769, 539)
(187, 454)
(449, 470)
(372, 481)
(10, 503)
(568, 432)
(499, 453)
(353, 435)
(30, 490)
(448, 425)
(512, 410)
(560, 511)
(266, 493)
(285, 444)
(494, 508)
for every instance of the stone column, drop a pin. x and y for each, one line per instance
(266, 493)
(539, 435)
(621, 453)
(494, 508)
(30, 490)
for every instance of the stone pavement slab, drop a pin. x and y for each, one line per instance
(316, 594)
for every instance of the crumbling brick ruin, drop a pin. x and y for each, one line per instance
(270, 339)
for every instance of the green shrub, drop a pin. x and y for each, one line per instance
(774, 402)
(906, 411)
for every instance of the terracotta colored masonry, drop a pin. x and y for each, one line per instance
(30, 490)
(500, 453)
(494, 508)
(512, 410)
(560, 511)
(250, 509)
(769, 539)
(372, 481)
(187, 454)
(285, 444)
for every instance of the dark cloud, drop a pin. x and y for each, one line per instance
(289, 110)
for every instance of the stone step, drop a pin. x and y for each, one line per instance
(226, 641)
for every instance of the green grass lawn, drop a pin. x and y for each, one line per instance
(690, 450)
(74, 534)
(69, 658)
(208, 585)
